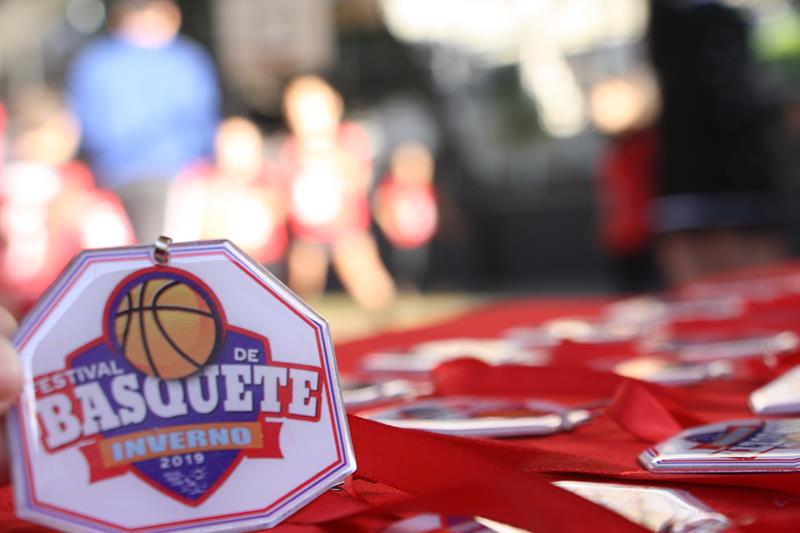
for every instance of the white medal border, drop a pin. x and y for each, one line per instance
(25, 509)
(688, 511)
(674, 456)
(778, 397)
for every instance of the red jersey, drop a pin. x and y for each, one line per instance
(47, 215)
(204, 205)
(409, 211)
(626, 189)
(328, 186)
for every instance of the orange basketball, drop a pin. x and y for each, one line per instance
(165, 328)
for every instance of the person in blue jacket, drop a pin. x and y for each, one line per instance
(147, 100)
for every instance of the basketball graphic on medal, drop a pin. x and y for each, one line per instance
(165, 323)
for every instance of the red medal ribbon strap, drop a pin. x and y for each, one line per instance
(452, 476)
(581, 354)
(112, 456)
(637, 410)
(470, 376)
(673, 413)
(531, 503)
(649, 412)
(447, 475)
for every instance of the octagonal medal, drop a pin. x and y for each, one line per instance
(185, 389)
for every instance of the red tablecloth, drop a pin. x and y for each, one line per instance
(404, 472)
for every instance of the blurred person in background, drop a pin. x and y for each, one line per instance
(329, 164)
(624, 109)
(716, 208)
(11, 382)
(49, 207)
(2, 136)
(238, 196)
(406, 211)
(147, 100)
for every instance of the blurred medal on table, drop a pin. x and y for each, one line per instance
(715, 349)
(647, 311)
(474, 416)
(746, 446)
(360, 392)
(434, 523)
(669, 371)
(174, 388)
(654, 508)
(576, 329)
(426, 356)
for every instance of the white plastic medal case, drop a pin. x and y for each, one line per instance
(475, 416)
(656, 509)
(780, 396)
(181, 390)
(647, 312)
(580, 330)
(729, 349)
(751, 445)
(362, 392)
(671, 371)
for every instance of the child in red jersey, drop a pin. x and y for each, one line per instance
(49, 207)
(239, 196)
(406, 210)
(330, 166)
(624, 110)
